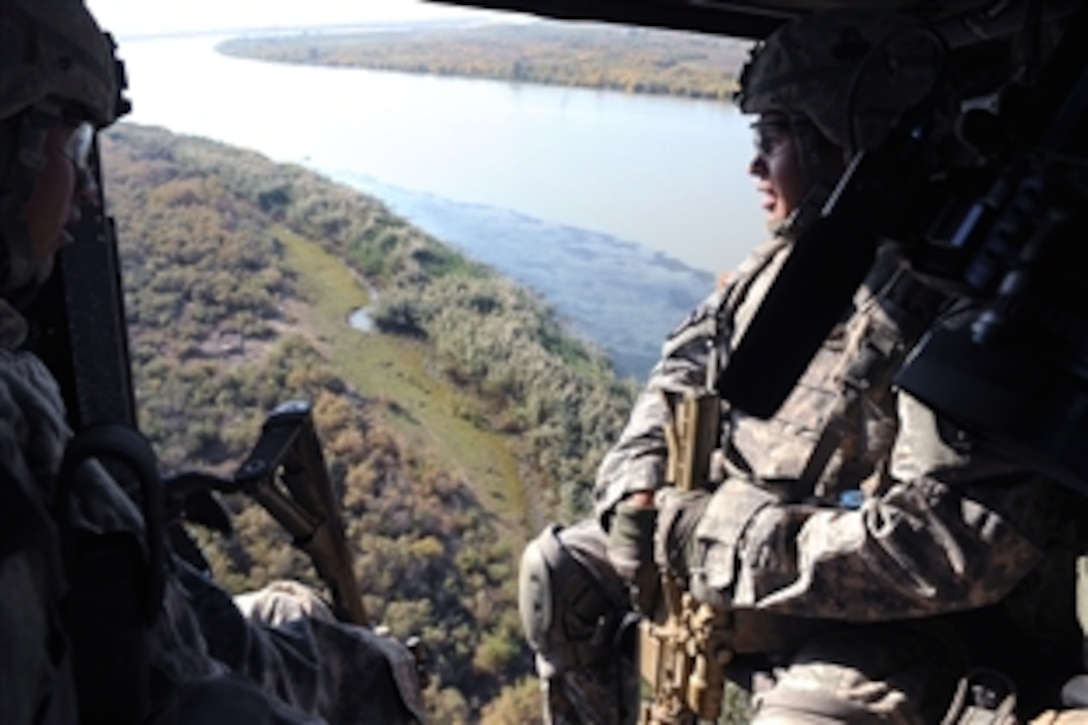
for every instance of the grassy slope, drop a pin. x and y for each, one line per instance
(240, 275)
(426, 409)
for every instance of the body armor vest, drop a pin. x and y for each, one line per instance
(836, 428)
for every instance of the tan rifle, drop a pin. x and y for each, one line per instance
(683, 647)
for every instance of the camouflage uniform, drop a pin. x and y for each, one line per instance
(208, 662)
(76, 638)
(852, 508)
(35, 683)
(848, 533)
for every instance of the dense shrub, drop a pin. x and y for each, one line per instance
(216, 345)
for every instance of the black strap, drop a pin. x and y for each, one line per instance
(117, 581)
(126, 446)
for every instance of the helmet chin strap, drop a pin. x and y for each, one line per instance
(822, 164)
(805, 212)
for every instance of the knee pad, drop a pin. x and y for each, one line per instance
(535, 595)
(569, 617)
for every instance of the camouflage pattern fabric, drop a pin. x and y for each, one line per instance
(637, 460)
(902, 674)
(367, 677)
(943, 527)
(281, 601)
(853, 504)
(938, 527)
(209, 663)
(882, 64)
(34, 663)
(285, 638)
(35, 678)
(779, 452)
(602, 695)
(574, 691)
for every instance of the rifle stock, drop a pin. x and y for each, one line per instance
(286, 474)
(683, 646)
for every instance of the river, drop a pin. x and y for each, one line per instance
(577, 193)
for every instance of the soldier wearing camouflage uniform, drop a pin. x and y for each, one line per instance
(845, 532)
(201, 659)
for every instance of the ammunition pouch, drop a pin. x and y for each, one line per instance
(713, 559)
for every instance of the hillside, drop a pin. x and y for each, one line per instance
(453, 430)
(633, 60)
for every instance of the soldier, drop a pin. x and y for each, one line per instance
(846, 532)
(67, 543)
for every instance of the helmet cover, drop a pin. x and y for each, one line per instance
(850, 72)
(56, 65)
(55, 50)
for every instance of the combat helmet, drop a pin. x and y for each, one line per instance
(55, 65)
(850, 72)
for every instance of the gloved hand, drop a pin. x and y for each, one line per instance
(678, 513)
(631, 549)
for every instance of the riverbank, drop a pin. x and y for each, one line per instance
(665, 173)
(622, 296)
(604, 57)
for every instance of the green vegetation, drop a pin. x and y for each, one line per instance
(634, 60)
(452, 433)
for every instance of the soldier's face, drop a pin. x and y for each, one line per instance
(63, 182)
(777, 168)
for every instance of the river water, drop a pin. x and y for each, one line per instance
(566, 190)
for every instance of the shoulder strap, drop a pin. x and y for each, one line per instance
(885, 347)
(735, 293)
(116, 581)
